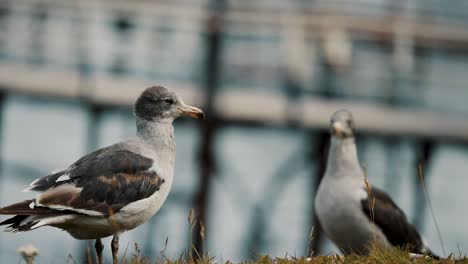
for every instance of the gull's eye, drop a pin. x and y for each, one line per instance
(169, 101)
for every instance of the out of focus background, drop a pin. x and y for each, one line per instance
(269, 74)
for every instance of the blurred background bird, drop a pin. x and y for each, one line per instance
(353, 213)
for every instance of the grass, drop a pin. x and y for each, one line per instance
(378, 255)
(387, 256)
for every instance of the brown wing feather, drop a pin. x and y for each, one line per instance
(103, 195)
(105, 161)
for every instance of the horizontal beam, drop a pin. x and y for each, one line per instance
(240, 104)
(425, 31)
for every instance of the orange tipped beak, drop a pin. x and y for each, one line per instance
(337, 129)
(192, 111)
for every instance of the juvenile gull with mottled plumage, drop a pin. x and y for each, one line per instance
(352, 214)
(113, 189)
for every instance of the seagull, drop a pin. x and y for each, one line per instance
(353, 213)
(113, 189)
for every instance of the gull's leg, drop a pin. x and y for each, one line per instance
(99, 247)
(115, 249)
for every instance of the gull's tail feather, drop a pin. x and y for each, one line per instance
(22, 212)
(25, 208)
(14, 220)
(27, 217)
(19, 223)
(21, 208)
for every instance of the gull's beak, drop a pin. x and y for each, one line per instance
(337, 128)
(191, 111)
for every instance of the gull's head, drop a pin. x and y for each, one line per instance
(158, 103)
(342, 124)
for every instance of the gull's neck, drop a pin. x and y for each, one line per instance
(159, 134)
(342, 158)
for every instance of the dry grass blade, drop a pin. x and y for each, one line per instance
(202, 235)
(191, 218)
(368, 187)
(163, 251)
(202, 231)
(122, 259)
(70, 259)
(311, 237)
(192, 221)
(311, 234)
(431, 209)
(88, 254)
(372, 208)
(370, 198)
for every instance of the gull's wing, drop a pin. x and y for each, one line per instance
(90, 164)
(100, 183)
(391, 220)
